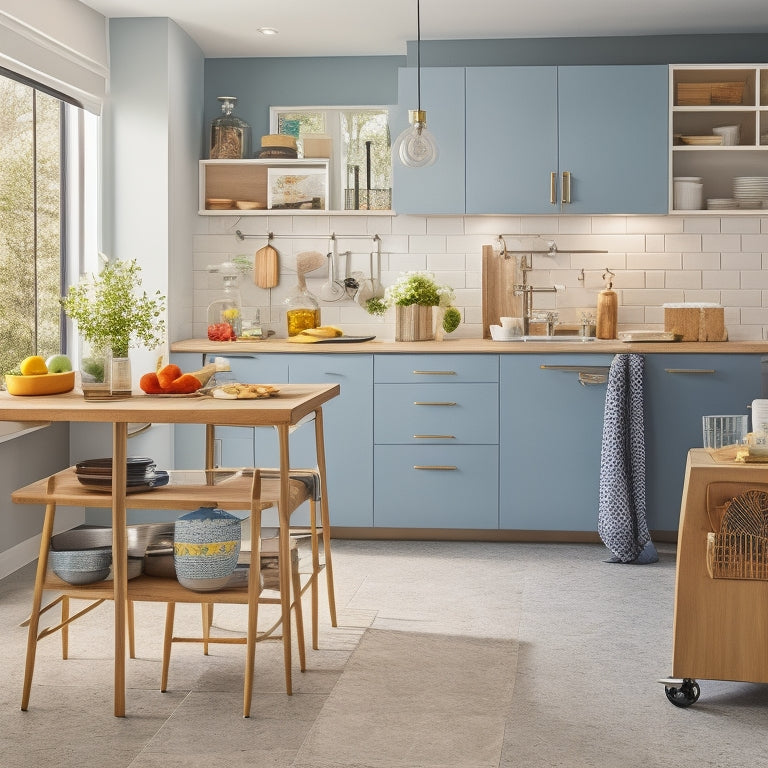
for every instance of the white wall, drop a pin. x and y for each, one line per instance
(656, 260)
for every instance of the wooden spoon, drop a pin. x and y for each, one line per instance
(266, 269)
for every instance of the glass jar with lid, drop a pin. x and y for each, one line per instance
(230, 136)
(225, 315)
(302, 311)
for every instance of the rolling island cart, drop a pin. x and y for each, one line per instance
(720, 627)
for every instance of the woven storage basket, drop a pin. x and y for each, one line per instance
(697, 94)
(740, 549)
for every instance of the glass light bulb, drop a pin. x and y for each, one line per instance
(416, 147)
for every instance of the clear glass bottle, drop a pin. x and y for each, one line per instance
(230, 136)
(225, 314)
(302, 311)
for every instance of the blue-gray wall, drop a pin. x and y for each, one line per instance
(259, 83)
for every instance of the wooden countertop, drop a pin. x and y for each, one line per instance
(469, 346)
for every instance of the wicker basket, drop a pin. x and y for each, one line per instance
(698, 94)
(737, 556)
(739, 550)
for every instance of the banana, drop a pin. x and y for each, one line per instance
(324, 332)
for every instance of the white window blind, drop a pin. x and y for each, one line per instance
(61, 44)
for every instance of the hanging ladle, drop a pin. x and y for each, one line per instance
(332, 289)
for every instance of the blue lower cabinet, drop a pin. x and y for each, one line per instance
(551, 434)
(436, 486)
(680, 390)
(348, 429)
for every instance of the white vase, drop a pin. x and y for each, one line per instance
(414, 323)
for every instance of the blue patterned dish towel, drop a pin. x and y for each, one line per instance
(621, 516)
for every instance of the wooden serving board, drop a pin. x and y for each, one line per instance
(500, 275)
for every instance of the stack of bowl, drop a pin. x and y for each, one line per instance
(141, 474)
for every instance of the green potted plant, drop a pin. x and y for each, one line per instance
(413, 296)
(112, 315)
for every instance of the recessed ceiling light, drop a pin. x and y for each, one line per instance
(267, 30)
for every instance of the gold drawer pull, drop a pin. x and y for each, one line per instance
(433, 403)
(553, 188)
(434, 373)
(690, 370)
(434, 466)
(434, 437)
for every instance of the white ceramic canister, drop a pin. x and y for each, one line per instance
(760, 415)
(206, 545)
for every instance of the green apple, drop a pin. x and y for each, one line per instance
(58, 364)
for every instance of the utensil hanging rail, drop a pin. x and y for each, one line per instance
(550, 250)
(333, 237)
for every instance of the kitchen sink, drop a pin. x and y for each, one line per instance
(558, 339)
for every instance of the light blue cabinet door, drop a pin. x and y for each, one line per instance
(511, 139)
(436, 486)
(348, 428)
(549, 453)
(680, 389)
(614, 129)
(438, 188)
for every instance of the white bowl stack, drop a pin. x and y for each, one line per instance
(687, 193)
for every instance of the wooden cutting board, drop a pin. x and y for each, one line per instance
(266, 268)
(499, 300)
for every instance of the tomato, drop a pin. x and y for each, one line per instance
(221, 332)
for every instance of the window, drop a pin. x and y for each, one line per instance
(361, 168)
(36, 131)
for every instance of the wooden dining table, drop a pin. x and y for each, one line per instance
(292, 404)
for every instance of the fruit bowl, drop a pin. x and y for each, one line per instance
(42, 384)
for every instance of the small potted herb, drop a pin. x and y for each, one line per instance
(113, 314)
(413, 295)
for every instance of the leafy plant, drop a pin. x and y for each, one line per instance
(418, 288)
(111, 312)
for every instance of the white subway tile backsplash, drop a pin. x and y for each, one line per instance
(656, 259)
(720, 280)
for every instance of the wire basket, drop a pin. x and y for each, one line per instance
(737, 556)
(739, 550)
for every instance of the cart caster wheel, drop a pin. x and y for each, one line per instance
(685, 694)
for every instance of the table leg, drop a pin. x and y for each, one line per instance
(37, 598)
(324, 514)
(284, 545)
(119, 557)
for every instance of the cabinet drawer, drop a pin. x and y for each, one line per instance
(436, 413)
(435, 368)
(436, 486)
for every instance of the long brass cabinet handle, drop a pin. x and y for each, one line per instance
(434, 373)
(566, 186)
(691, 370)
(434, 437)
(435, 403)
(553, 188)
(441, 467)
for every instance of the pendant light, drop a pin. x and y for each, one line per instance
(415, 147)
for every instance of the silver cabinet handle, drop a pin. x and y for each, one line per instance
(434, 373)
(690, 370)
(441, 467)
(435, 403)
(566, 186)
(434, 437)
(553, 188)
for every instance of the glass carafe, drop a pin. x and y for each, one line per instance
(230, 136)
(225, 315)
(302, 312)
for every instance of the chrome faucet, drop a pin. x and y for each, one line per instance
(527, 291)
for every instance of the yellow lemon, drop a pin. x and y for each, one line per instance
(33, 366)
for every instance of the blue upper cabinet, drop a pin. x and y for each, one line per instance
(511, 139)
(439, 188)
(604, 127)
(613, 138)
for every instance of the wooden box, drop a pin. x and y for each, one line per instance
(696, 323)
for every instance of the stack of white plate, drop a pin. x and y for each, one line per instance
(750, 187)
(721, 203)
